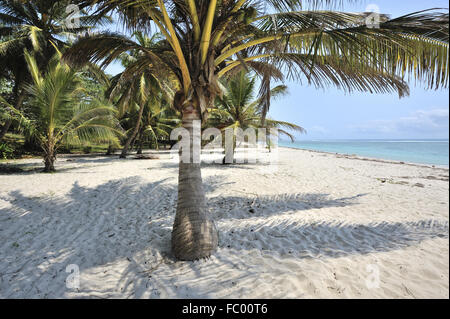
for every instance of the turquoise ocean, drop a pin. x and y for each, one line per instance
(434, 152)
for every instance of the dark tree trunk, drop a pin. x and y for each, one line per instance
(133, 134)
(49, 164)
(140, 144)
(230, 150)
(133, 143)
(110, 150)
(140, 140)
(49, 158)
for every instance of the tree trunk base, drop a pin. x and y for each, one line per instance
(49, 162)
(224, 161)
(194, 237)
(194, 234)
(110, 150)
(49, 168)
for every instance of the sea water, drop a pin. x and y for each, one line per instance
(434, 152)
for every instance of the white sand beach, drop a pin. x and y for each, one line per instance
(320, 226)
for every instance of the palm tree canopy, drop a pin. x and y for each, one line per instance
(135, 84)
(61, 112)
(328, 48)
(238, 109)
(38, 25)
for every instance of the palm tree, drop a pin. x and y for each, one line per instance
(150, 121)
(204, 40)
(140, 91)
(158, 121)
(33, 25)
(133, 90)
(61, 113)
(236, 109)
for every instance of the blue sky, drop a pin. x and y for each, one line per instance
(332, 114)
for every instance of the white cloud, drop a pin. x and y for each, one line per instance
(426, 124)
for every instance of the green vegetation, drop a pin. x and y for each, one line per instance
(36, 26)
(138, 91)
(236, 109)
(61, 113)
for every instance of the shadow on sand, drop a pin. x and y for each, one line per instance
(122, 219)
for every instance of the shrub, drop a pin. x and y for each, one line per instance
(5, 151)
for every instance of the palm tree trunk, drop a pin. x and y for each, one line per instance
(19, 97)
(194, 234)
(133, 134)
(268, 140)
(229, 156)
(140, 143)
(229, 151)
(49, 158)
(133, 143)
(110, 150)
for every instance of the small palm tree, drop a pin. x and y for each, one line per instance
(158, 121)
(237, 109)
(61, 113)
(34, 25)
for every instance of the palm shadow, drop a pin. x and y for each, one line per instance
(331, 239)
(129, 222)
(63, 164)
(242, 207)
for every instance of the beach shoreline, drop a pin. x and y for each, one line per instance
(317, 226)
(374, 159)
(338, 155)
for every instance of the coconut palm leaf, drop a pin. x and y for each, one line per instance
(58, 115)
(236, 109)
(38, 26)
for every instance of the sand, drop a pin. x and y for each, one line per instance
(319, 226)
